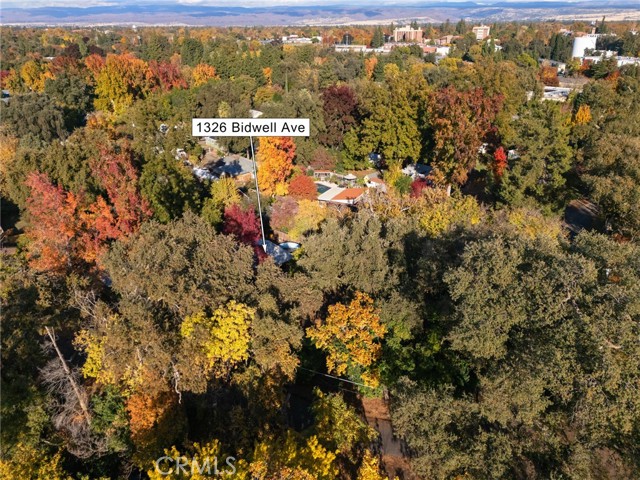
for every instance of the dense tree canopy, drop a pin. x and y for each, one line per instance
(465, 306)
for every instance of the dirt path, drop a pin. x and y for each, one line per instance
(394, 461)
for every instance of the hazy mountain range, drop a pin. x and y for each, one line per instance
(302, 12)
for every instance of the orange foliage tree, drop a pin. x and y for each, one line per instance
(370, 65)
(67, 232)
(303, 187)
(549, 76)
(202, 73)
(275, 157)
(56, 220)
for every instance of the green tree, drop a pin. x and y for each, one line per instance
(192, 51)
(170, 187)
(390, 122)
(543, 158)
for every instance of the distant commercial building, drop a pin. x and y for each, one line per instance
(621, 61)
(297, 40)
(481, 32)
(581, 44)
(339, 47)
(408, 34)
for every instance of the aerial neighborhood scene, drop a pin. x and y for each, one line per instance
(298, 240)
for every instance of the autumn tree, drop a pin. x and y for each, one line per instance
(202, 73)
(460, 121)
(499, 162)
(66, 229)
(275, 164)
(220, 341)
(242, 223)
(33, 75)
(224, 193)
(338, 426)
(303, 187)
(350, 336)
(339, 107)
(309, 216)
(282, 214)
(123, 79)
(549, 76)
(165, 76)
(56, 222)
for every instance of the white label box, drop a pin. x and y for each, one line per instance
(250, 127)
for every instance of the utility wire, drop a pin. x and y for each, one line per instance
(255, 176)
(337, 378)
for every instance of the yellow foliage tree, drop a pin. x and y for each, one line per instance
(370, 468)
(532, 224)
(93, 367)
(34, 75)
(338, 425)
(8, 147)
(272, 458)
(220, 341)
(350, 336)
(308, 218)
(583, 115)
(275, 164)
(442, 212)
(204, 461)
(202, 73)
(123, 79)
(26, 462)
(224, 192)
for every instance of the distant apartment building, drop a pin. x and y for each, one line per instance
(481, 32)
(407, 35)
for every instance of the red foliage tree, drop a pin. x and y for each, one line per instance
(303, 186)
(339, 111)
(499, 162)
(67, 232)
(244, 225)
(417, 186)
(165, 76)
(119, 178)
